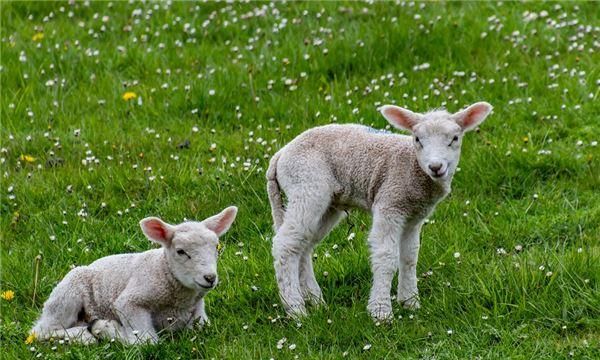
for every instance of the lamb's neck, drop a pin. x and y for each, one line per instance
(445, 184)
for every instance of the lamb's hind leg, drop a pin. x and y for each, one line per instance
(310, 288)
(61, 311)
(300, 224)
(75, 334)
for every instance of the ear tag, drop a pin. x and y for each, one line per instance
(220, 248)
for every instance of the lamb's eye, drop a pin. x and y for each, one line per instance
(453, 140)
(181, 252)
(418, 142)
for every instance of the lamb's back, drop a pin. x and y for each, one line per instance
(357, 144)
(359, 157)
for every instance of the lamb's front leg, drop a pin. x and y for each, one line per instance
(137, 325)
(383, 243)
(130, 329)
(199, 317)
(408, 293)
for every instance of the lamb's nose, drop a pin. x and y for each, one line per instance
(435, 167)
(210, 278)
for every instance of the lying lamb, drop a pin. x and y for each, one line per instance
(399, 178)
(129, 297)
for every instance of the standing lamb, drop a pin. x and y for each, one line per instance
(130, 297)
(399, 178)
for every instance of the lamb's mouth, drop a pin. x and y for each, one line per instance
(439, 175)
(204, 286)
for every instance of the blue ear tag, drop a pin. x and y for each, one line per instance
(376, 131)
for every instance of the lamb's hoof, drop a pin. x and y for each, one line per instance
(411, 304)
(87, 339)
(380, 312)
(103, 329)
(318, 302)
(151, 340)
(315, 300)
(296, 311)
(141, 338)
(84, 338)
(202, 322)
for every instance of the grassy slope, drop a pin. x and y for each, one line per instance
(496, 305)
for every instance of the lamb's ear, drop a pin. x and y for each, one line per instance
(221, 222)
(469, 118)
(157, 230)
(400, 118)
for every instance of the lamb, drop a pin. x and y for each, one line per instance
(330, 169)
(129, 297)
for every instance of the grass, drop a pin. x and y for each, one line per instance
(99, 164)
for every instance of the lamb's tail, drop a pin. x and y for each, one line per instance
(274, 192)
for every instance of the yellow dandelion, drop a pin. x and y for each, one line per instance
(27, 158)
(30, 339)
(129, 95)
(525, 139)
(38, 36)
(8, 295)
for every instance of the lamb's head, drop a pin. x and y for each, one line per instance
(191, 248)
(437, 135)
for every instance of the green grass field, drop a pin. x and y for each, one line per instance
(510, 261)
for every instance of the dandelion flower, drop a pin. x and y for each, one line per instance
(38, 36)
(129, 95)
(8, 295)
(30, 339)
(27, 158)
